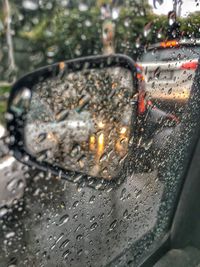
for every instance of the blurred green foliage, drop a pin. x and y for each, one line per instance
(4, 91)
(55, 32)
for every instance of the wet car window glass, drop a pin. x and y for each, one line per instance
(46, 220)
(171, 54)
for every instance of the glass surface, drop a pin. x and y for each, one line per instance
(82, 121)
(47, 221)
(171, 54)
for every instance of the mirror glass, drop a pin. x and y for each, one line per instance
(81, 121)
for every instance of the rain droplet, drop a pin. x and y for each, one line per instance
(98, 186)
(79, 252)
(113, 225)
(65, 254)
(92, 218)
(3, 211)
(64, 219)
(75, 204)
(62, 115)
(101, 216)
(79, 237)
(9, 116)
(82, 161)
(59, 238)
(138, 193)
(75, 216)
(125, 214)
(42, 137)
(30, 5)
(15, 184)
(126, 23)
(93, 226)
(83, 7)
(64, 244)
(10, 234)
(88, 23)
(92, 199)
(75, 151)
(170, 91)
(78, 178)
(122, 196)
(103, 158)
(25, 158)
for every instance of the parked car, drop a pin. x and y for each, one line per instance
(169, 68)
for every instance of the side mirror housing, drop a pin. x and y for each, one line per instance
(76, 118)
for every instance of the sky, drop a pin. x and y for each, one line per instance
(188, 6)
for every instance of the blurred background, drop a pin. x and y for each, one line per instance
(34, 33)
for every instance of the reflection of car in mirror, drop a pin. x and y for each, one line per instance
(93, 136)
(81, 120)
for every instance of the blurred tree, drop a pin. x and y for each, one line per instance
(60, 30)
(190, 26)
(6, 26)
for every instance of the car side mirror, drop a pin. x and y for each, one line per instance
(76, 118)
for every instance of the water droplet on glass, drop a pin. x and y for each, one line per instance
(92, 199)
(93, 226)
(83, 7)
(82, 161)
(138, 193)
(98, 186)
(64, 219)
(30, 5)
(59, 238)
(92, 218)
(170, 91)
(8, 116)
(15, 184)
(78, 178)
(10, 235)
(62, 115)
(41, 137)
(159, 35)
(65, 254)
(75, 204)
(79, 237)
(64, 244)
(75, 151)
(88, 23)
(122, 196)
(52, 51)
(125, 214)
(3, 211)
(126, 23)
(113, 225)
(103, 158)
(79, 252)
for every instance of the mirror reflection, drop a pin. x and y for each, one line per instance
(81, 121)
